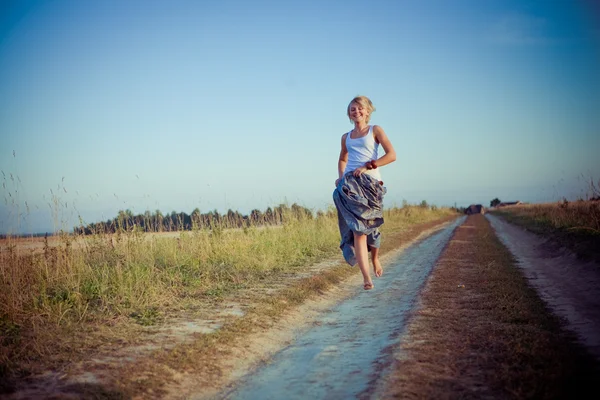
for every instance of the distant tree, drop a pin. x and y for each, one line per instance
(301, 212)
(185, 221)
(196, 218)
(424, 204)
(148, 221)
(256, 217)
(156, 221)
(269, 216)
(230, 220)
(495, 202)
(122, 220)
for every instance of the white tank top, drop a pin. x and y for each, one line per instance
(361, 150)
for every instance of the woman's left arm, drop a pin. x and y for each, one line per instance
(384, 141)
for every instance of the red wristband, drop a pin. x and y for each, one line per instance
(373, 165)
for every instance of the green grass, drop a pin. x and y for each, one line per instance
(93, 290)
(126, 274)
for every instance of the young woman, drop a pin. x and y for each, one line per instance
(359, 191)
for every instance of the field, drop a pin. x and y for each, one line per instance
(76, 296)
(186, 314)
(482, 331)
(574, 225)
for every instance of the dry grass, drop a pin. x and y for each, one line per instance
(575, 225)
(60, 303)
(577, 215)
(204, 358)
(123, 273)
(482, 332)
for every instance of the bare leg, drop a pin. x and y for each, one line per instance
(376, 264)
(362, 256)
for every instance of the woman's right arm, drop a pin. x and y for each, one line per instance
(343, 160)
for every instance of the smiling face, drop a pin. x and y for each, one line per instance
(358, 113)
(360, 109)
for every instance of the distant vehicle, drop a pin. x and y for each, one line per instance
(475, 209)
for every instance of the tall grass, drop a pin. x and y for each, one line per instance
(398, 218)
(583, 216)
(572, 225)
(129, 273)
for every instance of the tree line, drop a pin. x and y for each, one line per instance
(158, 222)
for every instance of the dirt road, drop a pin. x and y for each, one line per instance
(344, 354)
(345, 344)
(349, 350)
(569, 286)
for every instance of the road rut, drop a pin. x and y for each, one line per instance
(344, 354)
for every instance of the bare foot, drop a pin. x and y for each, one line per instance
(368, 285)
(377, 267)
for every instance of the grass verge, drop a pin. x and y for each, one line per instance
(482, 332)
(69, 303)
(574, 225)
(204, 358)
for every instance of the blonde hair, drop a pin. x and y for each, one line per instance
(364, 102)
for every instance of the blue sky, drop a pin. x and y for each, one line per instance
(174, 105)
